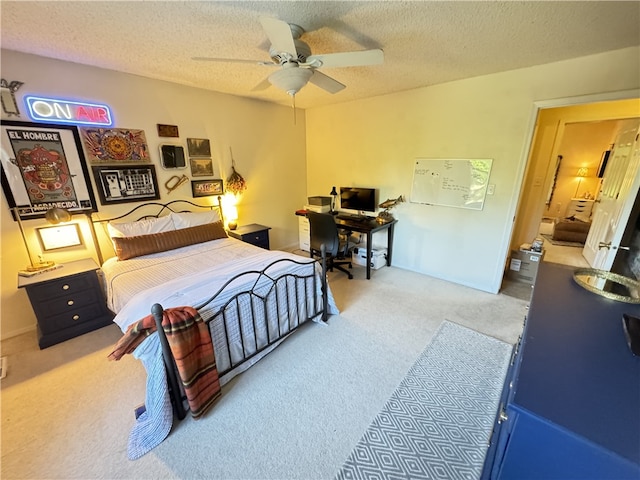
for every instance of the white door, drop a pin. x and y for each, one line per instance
(620, 185)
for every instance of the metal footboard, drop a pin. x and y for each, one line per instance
(250, 313)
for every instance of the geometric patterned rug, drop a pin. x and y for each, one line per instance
(437, 423)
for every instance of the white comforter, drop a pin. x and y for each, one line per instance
(124, 279)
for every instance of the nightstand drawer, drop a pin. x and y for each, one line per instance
(62, 287)
(259, 239)
(55, 323)
(254, 234)
(65, 303)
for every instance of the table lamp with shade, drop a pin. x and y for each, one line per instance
(581, 173)
(231, 214)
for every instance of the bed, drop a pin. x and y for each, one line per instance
(250, 299)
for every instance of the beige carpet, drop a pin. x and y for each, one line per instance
(298, 413)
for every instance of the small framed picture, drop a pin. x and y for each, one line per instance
(120, 184)
(198, 147)
(206, 188)
(201, 167)
(167, 130)
(59, 236)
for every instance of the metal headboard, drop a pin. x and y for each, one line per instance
(153, 210)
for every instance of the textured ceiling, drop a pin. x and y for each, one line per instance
(424, 42)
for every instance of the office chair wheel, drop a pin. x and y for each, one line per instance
(350, 277)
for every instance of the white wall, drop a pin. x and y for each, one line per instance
(374, 142)
(268, 148)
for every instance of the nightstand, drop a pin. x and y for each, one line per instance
(254, 234)
(67, 301)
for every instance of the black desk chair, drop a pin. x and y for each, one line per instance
(323, 230)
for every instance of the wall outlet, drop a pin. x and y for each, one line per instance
(491, 189)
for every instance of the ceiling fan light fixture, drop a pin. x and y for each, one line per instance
(291, 80)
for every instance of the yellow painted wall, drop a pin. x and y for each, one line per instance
(375, 142)
(371, 142)
(269, 150)
(550, 128)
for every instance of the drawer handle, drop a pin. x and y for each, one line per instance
(70, 302)
(76, 317)
(65, 287)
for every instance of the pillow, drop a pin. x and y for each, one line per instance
(190, 219)
(131, 247)
(141, 227)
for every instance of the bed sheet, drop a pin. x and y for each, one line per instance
(124, 279)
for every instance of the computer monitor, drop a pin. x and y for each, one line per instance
(358, 198)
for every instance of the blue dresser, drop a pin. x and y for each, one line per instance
(570, 408)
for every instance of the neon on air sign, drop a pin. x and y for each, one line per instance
(65, 111)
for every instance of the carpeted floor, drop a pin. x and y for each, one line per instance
(297, 414)
(438, 421)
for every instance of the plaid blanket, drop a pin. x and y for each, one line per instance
(192, 349)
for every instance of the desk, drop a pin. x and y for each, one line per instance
(368, 228)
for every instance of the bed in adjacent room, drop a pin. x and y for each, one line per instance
(250, 300)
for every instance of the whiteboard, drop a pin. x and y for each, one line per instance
(451, 182)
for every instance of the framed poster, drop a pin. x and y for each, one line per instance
(115, 145)
(121, 184)
(205, 188)
(43, 166)
(201, 167)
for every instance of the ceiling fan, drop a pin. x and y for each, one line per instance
(297, 65)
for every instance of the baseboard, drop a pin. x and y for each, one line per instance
(15, 333)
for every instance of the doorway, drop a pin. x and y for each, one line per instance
(565, 158)
(541, 169)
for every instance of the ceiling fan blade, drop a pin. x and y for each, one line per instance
(232, 60)
(263, 85)
(347, 59)
(325, 82)
(279, 34)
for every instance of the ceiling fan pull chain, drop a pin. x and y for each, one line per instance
(293, 104)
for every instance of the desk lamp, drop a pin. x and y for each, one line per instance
(334, 197)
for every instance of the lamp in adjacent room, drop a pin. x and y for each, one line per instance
(53, 216)
(581, 173)
(334, 198)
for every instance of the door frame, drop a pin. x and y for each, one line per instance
(525, 158)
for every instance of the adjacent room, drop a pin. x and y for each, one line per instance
(306, 239)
